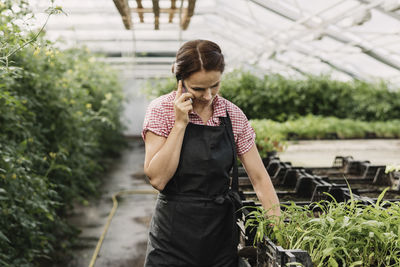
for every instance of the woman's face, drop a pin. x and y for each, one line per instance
(204, 85)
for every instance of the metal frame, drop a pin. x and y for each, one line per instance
(336, 33)
(248, 38)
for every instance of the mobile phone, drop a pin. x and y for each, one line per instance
(184, 90)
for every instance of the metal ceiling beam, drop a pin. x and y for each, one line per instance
(239, 22)
(307, 51)
(333, 32)
(122, 35)
(139, 60)
(115, 26)
(389, 13)
(239, 42)
(115, 39)
(292, 67)
(394, 15)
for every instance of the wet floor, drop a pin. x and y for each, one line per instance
(126, 239)
(125, 242)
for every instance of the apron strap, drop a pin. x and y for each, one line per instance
(235, 176)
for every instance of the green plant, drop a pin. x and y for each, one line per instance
(337, 234)
(268, 136)
(317, 127)
(60, 120)
(277, 98)
(280, 99)
(392, 168)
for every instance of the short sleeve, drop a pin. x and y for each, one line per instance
(244, 134)
(155, 121)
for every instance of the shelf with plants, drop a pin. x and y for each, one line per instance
(272, 135)
(333, 233)
(318, 107)
(333, 226)
(281, 99)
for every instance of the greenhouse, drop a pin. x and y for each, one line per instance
(199, 133)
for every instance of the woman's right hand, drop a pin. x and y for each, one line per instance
(182, 106)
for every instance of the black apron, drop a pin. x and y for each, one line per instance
(194, 223)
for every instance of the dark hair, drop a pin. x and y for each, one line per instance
(198, 55)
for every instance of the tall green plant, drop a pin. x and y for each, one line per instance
(60, 118)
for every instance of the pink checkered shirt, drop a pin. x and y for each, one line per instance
(160, 118)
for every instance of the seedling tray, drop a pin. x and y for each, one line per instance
(269, 254)
(307, 188)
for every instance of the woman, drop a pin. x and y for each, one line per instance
(192, 136)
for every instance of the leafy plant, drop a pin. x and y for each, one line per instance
(316, 127)
(277, 98)
(336, 234)
(280, 99)
(60, 121)
(268, 136)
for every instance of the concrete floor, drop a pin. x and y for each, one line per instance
(125, 243)
(126, 240)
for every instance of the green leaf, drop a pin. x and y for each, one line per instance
(327, 251)
(62, 167)
(3, 262)
(50, 217)
(356, 263)
(380, 197)
(332, 262)
(297, 264)
(3, 237)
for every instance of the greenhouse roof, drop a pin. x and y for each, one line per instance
(348, 39)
